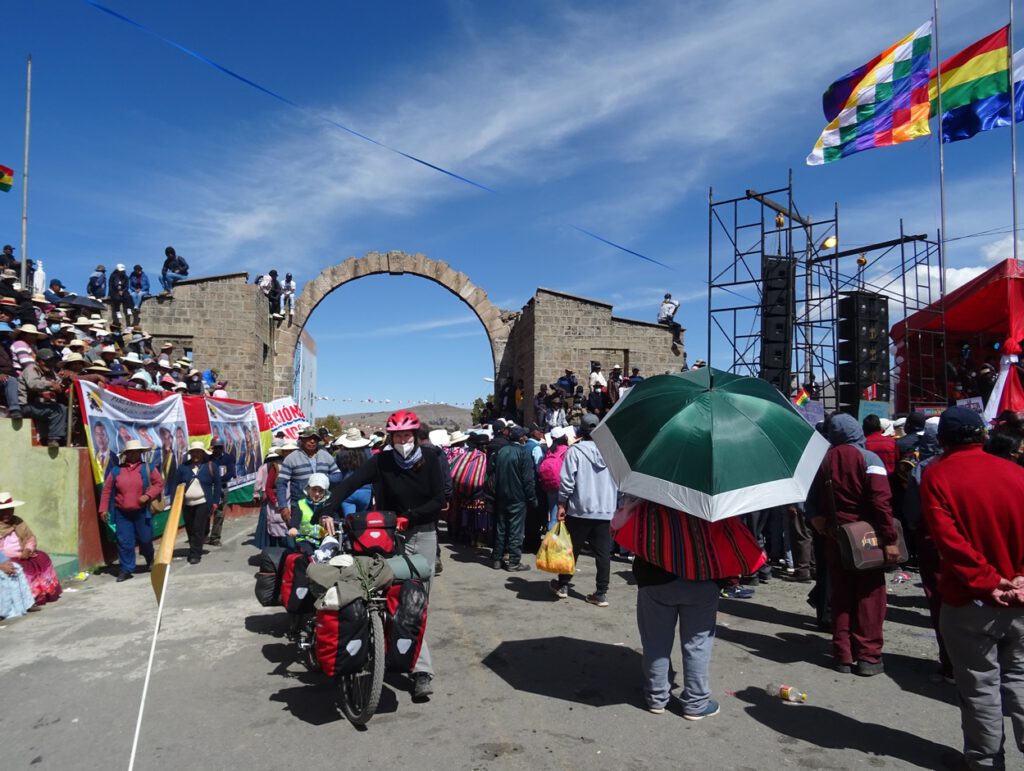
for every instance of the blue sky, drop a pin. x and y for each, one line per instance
(615, 117)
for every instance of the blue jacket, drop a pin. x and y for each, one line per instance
(52, 297)
(138, 283)
(227, 463)
(208, 477)
(97, 285)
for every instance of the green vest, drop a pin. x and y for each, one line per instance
(308, 529)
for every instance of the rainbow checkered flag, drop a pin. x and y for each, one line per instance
(883, 103)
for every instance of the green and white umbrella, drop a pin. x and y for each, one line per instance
(710, 443)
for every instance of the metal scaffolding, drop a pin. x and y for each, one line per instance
(745, 231)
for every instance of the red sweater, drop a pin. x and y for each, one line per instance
(129, 486)
(973, 505)
(884, 447)
(861, 492)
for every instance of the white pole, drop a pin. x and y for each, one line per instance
(1013, 129)
(149, 668)
(24, 179)
(942, 157)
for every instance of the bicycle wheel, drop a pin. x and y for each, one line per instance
(360, 692)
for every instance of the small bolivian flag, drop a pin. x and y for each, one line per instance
(802, 398)
(6, 178)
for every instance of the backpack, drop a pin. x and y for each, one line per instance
(407, 622)
(905, 466)
(342, 638)
(549, 470)
(469, 472)
(268, 576)
(295, 592)
(373, 532)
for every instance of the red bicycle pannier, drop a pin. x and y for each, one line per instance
(295, 592)
(343, 638)
(407, 623)
(373, 532)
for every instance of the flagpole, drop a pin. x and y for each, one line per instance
(942, 157)
(24, 179)
(1013, 129)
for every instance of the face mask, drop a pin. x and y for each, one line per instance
(405, 450)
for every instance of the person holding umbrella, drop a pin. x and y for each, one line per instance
(695, 450)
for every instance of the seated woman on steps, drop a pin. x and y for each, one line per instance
(18, 544)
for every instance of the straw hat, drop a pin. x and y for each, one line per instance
(98, 368)
(272, 454)
(288, 446)
(133, 444)
(180, 387)
(198, 446)
(457, 437)
(41, 299)
(72, 358)
(7, 502)
(132, 359)
(352, 439)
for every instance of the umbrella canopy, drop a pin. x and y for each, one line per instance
(85, 303)
(710, 443)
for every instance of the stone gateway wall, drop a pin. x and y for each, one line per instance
(225, 322)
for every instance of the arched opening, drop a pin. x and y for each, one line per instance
(496, 325)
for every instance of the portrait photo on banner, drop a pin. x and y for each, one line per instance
(237, 426)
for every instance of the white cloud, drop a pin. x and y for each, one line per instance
(654, 91)
(1000, 250)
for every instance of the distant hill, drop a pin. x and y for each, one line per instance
(436, 415)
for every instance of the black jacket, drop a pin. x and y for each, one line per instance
(416, 493)
(117, 285)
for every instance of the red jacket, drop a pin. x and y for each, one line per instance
(973, 506)
(128, 486)
(884, 447)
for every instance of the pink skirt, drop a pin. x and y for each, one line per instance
(42, 578)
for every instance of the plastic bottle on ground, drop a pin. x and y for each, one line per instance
(786, 693)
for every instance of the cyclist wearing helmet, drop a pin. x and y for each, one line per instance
(304, 530)
(408, 481)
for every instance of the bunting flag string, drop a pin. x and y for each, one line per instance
(351, 131)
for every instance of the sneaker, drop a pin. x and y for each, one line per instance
(843, 669)
(600, 600)
(710, 710)
(869, 668)
(656, 710)
(559, 590)
(213, 542)
(737, 593)
(518, 567)
(421, 686)
(124, 577)
(193, 560)
(797, 578)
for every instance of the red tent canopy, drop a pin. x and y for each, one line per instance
(991, 304)
(980, 317)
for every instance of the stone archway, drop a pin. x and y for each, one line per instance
(497, 324)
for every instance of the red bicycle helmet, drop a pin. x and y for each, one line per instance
(403, 420)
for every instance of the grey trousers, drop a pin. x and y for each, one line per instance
(986, 645)
(692, 605)
(423, 540)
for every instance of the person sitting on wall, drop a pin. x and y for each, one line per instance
(667, 316)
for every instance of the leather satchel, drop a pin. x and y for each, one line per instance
(859, 548)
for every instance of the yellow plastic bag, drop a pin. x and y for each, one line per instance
(555, 555)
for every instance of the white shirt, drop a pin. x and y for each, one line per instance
(598, 378)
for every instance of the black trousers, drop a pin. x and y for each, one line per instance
(197, 519)
(597, 533)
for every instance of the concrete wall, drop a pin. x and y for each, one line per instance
(225, 322)
(60, 503)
